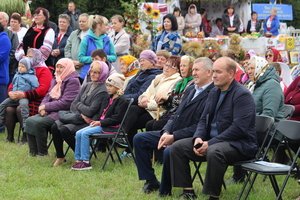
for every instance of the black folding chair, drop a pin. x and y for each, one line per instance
(290, 131)
(111, 140)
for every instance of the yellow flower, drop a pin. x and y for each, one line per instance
(148, 9)
(137, 26)
(155, 14)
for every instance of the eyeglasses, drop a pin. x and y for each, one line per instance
(269, 55)
(171, 66)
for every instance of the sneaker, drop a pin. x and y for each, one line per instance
(82, 166)
(125, 154)
(75, 165)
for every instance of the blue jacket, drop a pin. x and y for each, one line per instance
(90, 43)
(139, 83)
(4, 58)
(170, 42)
(235, 119)
(275, 25)
(184, 122)
(25, 81)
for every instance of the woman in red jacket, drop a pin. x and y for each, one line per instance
(34, 96)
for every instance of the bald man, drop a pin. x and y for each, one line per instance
(225, 133)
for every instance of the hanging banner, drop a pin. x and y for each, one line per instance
(284, 11)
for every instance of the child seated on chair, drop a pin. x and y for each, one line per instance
(111, 116)
(24, 80)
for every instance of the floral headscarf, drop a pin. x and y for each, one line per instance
(261, 64)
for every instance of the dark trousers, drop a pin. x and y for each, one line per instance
(144, 144)
(136, 119)
(37, 128)
(218, 157)
(60, 135)
(157, 125)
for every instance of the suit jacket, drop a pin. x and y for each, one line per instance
(235, 119)
(184, 122)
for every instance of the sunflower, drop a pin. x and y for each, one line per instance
(137, 27)
(155, 14)
(148, 9)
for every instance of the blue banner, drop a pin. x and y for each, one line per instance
(284, 11)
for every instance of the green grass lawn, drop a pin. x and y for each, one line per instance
(25, 177)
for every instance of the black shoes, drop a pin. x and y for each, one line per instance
(151, 186)
(213, 198)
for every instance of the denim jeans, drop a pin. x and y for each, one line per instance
(82, 145)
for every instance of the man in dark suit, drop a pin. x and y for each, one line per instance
(225, 132)
(181, 125)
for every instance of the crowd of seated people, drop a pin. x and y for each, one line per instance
(202, 109)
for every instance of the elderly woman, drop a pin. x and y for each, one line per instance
(141, 81)
(96, 38)
(39, 36)
(87, 106)
(265, 87)
(42, 72)
(129, 67)
(168, 39)
(73, 42)
(231, 21)
(174, 99)
(149, 103)
(61, 36)
(120, 38)
(272, 24)
(62, 92)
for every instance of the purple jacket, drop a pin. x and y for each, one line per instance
(70, 88)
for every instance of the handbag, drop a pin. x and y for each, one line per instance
(68, 117)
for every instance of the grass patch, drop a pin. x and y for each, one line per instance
(34, 178)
